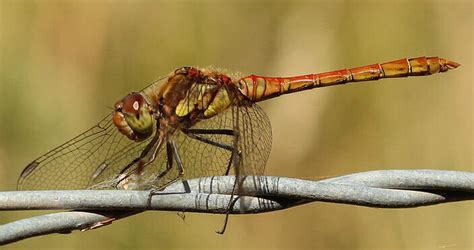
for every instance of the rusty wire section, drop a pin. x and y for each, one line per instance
(96, 208)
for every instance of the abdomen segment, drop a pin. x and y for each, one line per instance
(259, 88)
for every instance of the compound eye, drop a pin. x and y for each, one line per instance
(133, 103)
(133, 116)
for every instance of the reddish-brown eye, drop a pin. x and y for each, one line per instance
(133, 117)
(132, 103)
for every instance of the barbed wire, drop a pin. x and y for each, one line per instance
(96, 208)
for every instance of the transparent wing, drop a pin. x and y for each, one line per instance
(91, 160)
(255, 145)
(73, 164)
(236, 140)
(211, 155)
(255, 138)
(208, 152)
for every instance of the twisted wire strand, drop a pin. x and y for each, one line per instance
(96, 208)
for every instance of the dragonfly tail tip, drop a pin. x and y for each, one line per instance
(452, 64)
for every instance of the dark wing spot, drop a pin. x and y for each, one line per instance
(29, 169)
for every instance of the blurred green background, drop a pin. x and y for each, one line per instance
(63, 64)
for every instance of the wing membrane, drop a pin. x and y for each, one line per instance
(95, 158)
(73, 164)
(205, 158)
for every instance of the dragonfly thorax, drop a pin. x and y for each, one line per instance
(191, 95)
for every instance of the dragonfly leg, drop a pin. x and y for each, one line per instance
(196, 134)
(211, 142)
(232, 202)
(123, 175)
(209, 131)
(176, 157)
(234, 159)
(172, 155)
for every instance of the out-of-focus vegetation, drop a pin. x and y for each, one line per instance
(64, 63)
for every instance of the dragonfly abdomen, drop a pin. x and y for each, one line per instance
(259, 88)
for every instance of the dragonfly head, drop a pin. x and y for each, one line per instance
(133, 117)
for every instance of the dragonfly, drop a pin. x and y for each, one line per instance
(192, 123)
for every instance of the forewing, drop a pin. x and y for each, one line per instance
(74, 164)
(252, 140)
(200, 159)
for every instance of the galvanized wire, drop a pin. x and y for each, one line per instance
(95, 208)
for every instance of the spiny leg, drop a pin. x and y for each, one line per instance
(172, 151)
(195, 134)
(122, 175)
(209, 131)
(235, 159)
(172, 154)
